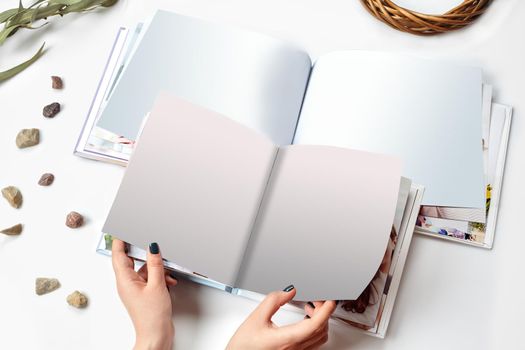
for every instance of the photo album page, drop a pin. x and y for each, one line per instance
(253, 79)
(404, 106)
(241, 228)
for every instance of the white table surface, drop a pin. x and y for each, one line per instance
(452, 296)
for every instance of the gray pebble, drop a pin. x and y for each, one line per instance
(45, 285)
(27, 138)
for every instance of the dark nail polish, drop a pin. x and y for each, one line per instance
(154, 248)
(289, 288)
(311, 304)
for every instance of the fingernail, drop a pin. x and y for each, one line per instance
(311, 304)
(289, 288)
(174, 277)
(154, 248)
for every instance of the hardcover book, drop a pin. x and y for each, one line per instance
(254, 149)
(433, 115)
(232, 208)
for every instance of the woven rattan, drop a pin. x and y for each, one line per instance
(424, 24)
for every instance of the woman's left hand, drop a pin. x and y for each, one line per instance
(146, 297)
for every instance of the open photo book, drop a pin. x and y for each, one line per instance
(311, 153)
(434, 115)
(232, 209)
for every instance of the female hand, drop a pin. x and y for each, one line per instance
(145, 295)
(259, 332)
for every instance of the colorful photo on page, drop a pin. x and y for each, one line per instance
(462, 214)
(106, 142)
(436, 220)
(462, 230)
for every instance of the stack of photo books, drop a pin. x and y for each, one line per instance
(251, 152)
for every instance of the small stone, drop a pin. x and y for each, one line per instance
(74, 220)
(56, 82)
(13, 196)
(13, 230)
(46, 285)
(77, 299)
(46, 179)
(27, 138)
(51, 110)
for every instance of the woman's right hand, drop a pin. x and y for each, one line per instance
(259, 332)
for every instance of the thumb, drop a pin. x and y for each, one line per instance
(155, 266)
(273, 302)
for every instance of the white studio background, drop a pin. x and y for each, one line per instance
(452, 296)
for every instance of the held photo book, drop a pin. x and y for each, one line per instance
(431, 114)
(233, 210)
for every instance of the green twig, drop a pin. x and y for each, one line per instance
(17, 69)
(24, 17)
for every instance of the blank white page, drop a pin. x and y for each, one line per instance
(253, 79)
(425, 112)
(324, 223)
(194, 185)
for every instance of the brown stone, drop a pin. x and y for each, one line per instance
(46, 179)
(13, 196)
(45, 285)
(56, 82)
(13, 230)
(77, 300)
(27, 138)
(74, 220)
(51, 110)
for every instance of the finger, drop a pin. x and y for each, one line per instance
(309, 310)
(122, 263)
(317, 339)
(170, 280)
(273, 301)
(318, 343)
(323, 312)
(155, 266)
(304, 334)
(143, 272)
(305, 329)
(318, 304)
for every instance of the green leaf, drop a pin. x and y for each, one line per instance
(4, 16)
(24, 17)
(108, 3)
(28, 26)
(4, 33)
(64, 2)
(33, 15)
(82, 6)
(17, 18)
(36, 3)
(17, 69)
